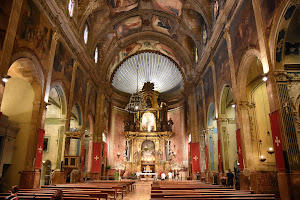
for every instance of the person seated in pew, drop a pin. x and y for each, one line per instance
(13, 193)
(58, 195)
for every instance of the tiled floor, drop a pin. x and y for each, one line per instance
(142, 191)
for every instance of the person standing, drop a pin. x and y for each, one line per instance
(230, 177)
(170, 175)
(163, 176)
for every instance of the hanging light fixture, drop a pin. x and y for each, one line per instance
(137, 101)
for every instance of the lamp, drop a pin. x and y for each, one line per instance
(5, 78)
(262, 158)
(137, 101)
(118, 154)
(270, 150)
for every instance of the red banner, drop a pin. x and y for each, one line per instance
(220, 155)
(277, 141)
(82, 157)
(39, 150)
(96, 166)
(206, 158)
(195, 156)
(239, 149)
(104, 150)
(189, 150)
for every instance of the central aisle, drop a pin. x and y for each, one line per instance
(142, 191)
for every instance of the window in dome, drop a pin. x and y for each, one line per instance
(71, 7)
(96, 55)
(86, 34)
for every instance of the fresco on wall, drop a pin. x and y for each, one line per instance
(63, 61)
(5, 8)
(222, 66)
(80, 85)
(163, 25)
(34, 31)
(173, 7)
(199, 101)
(119, 6)
(128, 26)
(270, 8)
(92, 101)
(243, 32)
(164, 49)
(208, 84)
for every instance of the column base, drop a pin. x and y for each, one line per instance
(289, 184)
(260, 182)
(59, 177)
(30, 179)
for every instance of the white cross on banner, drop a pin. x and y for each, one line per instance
(277, 141)
(96, 157)
(195, 158)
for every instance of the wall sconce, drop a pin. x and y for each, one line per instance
(264, 77)
(270, 150)
(262, 158)
(47, 104)
(118, 155)
(5, 78)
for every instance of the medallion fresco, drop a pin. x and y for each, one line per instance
(119, 6)
(173, 7)
(163, 25)
(128, 26)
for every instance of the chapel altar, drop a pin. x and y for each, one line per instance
(148, 137)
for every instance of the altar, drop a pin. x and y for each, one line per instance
(146, 175)
(148, 133)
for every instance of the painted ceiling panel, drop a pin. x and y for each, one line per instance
(152, 67)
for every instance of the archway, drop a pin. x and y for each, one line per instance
(21, 104)
(212, 138)
(259, 109)
(54, 129)
(46, 173)
(228, 129)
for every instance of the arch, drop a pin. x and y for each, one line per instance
(279, 23)
(60, 89)
(33, 63)
(77, 108)
(243, 71)
(186, 65)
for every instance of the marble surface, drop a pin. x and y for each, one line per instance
(142, 191)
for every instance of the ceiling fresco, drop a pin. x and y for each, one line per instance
(173, 7)
(128, 26)
(119, 6)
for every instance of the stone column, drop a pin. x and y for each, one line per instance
(70, 105)
(190, 92)
(48, 74)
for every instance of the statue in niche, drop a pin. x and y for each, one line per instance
(149, 102)
(136, 156)
(126, 125)
(170, 124)
(164, 116)
(137, 125)
(158, 124)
